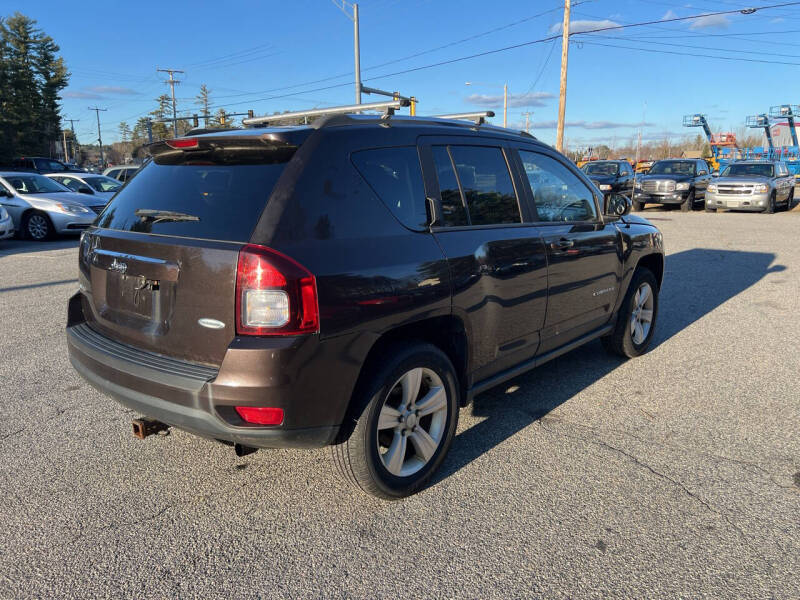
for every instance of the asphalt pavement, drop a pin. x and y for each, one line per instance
(673, 475)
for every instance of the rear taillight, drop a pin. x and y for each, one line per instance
(274, 294)
(261, 415)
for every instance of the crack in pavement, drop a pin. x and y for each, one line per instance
(675, 482)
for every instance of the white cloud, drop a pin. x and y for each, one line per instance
(112, 89)
(777, 20)
(81, 95)
(514, 100)
(584, 26)
(670, 14)
(710, 22)
(590, 124)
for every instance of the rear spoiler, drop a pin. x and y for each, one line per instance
(218, 149)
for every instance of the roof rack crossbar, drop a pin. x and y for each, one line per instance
(388, 107)
(479, 117)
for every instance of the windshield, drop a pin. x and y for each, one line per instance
(34, 184)
(601, 168)
(751, 170)
(672, 167)
(51, 166)
(103, 183)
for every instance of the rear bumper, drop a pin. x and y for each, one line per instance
(200, 399)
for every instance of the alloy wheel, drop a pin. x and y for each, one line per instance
(38, 227)
(411, 424)
(642, 315)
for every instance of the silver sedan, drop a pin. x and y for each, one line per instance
(100, 186)
(40, 207)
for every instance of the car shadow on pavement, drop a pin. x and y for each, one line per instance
(9, 247)
(696, 282)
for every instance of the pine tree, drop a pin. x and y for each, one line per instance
(31, 77)
(204, 100)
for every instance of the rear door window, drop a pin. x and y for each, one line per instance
(487, 186)
(396, 177)
(454, 214)
(221, 202)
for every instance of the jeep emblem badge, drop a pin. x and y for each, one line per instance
(118, 266)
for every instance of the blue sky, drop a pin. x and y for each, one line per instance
(249, 52)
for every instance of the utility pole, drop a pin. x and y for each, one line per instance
(74, 139)
(172, 81)
(527, 121)
(343, 5)
(64, 140)
(505, 105)
(562, 100)
(99, 136)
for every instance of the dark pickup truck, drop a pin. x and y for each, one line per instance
(353, 283)
(611, 176)
(673, 181)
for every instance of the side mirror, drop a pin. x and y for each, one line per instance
(85, 190)
(618, 205)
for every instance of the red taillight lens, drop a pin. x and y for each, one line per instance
(261, 415)
(183, 143)
(275, 295)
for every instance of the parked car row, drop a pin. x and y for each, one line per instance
(752, 185)
(40, 207)
(41, 197)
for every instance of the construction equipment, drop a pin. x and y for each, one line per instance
(761, 122)
(721, 144)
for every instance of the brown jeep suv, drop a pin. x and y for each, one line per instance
(351, 283)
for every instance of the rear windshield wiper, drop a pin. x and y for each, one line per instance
(161, 216)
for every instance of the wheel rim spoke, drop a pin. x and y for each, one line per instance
(389, 417)
(644, 294)
(639, 335)
(434, 401)
(424, 444)
(646, 315)
(395, 456)
(410, 384)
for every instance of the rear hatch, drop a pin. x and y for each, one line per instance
(159, 269)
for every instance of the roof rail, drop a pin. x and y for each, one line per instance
(388, 108)
(479, 117)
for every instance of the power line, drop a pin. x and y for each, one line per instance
(506, 48)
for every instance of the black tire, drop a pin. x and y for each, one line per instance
(789, 200)
(770, 204)
(37, 226)
(689, 204)
(359, 460)
(709, 209)
(638, 206)
(621, 340)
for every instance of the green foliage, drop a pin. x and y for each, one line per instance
(31, 77)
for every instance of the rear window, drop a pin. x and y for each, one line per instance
(221, 202)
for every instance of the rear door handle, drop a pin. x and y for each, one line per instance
(562, 243)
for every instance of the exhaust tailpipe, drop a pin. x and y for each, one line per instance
(146, 426)
(243, 450)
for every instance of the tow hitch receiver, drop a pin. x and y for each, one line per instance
(144, 427)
